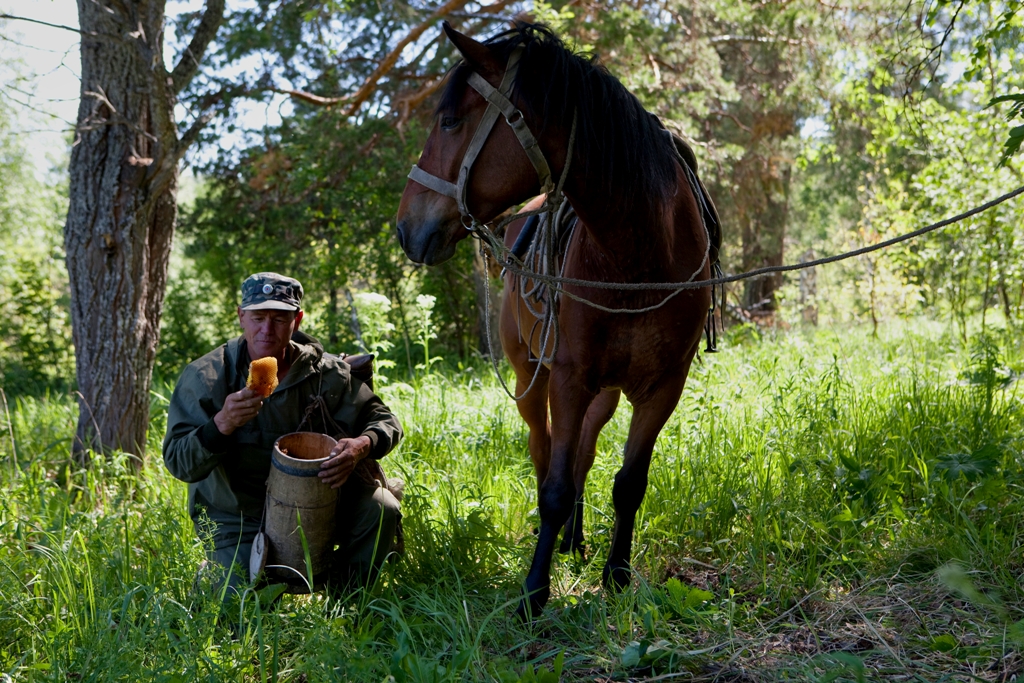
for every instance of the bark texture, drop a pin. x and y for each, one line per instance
(762, 210)
(123, 191)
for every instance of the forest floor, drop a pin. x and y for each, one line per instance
(823, 505)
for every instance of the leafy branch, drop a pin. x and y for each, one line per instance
(1016, 136)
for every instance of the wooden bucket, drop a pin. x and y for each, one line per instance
(295, 494)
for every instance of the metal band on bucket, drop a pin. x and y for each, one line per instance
(294, 471)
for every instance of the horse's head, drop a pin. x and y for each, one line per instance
(475, 163)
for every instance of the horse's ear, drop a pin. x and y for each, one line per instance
(475, 53)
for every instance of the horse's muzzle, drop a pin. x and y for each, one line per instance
(424, 243)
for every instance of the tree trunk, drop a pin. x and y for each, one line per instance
(764, 211)
(122, 211)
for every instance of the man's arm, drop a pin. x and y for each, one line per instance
(375, 421)
(194, 445)
(378, 428)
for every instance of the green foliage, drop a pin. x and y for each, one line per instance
(970, 466)
(1016, 135)
(1005, 33)
(36, 354)
(321, 212)
(197, 318)
(801, 482)
(903, 161)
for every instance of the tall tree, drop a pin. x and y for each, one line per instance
(123, 189)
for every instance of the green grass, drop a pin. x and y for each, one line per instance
(823, 506)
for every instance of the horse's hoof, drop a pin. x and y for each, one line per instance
(529, 611)
(616, 578)
(532, 605)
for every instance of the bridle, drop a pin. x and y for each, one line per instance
(491, 245)
(498, 102)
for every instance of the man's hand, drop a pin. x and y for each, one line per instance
(239, 408)
(343, 460)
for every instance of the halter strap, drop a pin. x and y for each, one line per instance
(498, 103)
(434, 183)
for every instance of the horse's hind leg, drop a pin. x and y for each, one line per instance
(598, 414)
(631, 480)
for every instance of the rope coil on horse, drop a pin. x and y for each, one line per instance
(676, 287)
(768, 270)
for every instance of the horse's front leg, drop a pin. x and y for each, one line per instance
(569, 400)
(631, 480)
(533, 404)
(599, 413)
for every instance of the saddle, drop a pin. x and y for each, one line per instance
(709, 215)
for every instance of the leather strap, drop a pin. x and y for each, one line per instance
(433, 182)
(498, 103)
(514, 118)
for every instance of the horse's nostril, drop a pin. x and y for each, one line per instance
(401, 236)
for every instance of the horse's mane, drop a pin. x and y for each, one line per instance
(624, 149)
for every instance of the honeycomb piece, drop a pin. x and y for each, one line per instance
(263, 376)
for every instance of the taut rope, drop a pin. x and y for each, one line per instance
(558, 282)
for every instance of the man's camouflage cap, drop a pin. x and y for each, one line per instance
(271, 291)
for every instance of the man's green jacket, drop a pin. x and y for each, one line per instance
(228, 474)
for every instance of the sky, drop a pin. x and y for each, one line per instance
(48, 58)
(45, 83)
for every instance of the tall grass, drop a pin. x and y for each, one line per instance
(822, 505)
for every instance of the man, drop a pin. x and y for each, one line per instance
(220, 434)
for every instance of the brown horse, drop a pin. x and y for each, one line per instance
(639, 222)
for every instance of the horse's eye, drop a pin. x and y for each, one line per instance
(450, 122)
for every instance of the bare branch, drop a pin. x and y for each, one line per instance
(192, 134)
(366, 89)
(43, 23)
(310, 98)
(188, 65)
(391, 59)
(729, 38)
(933, 55)
(732, 117)
(95, 121)
(405, 105)
(85, 34)
(189, 137)
(359, 97)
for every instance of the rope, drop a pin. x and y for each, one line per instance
(544, 250)
(548, 318)
(558, 282)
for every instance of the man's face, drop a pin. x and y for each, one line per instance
(268, 332)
